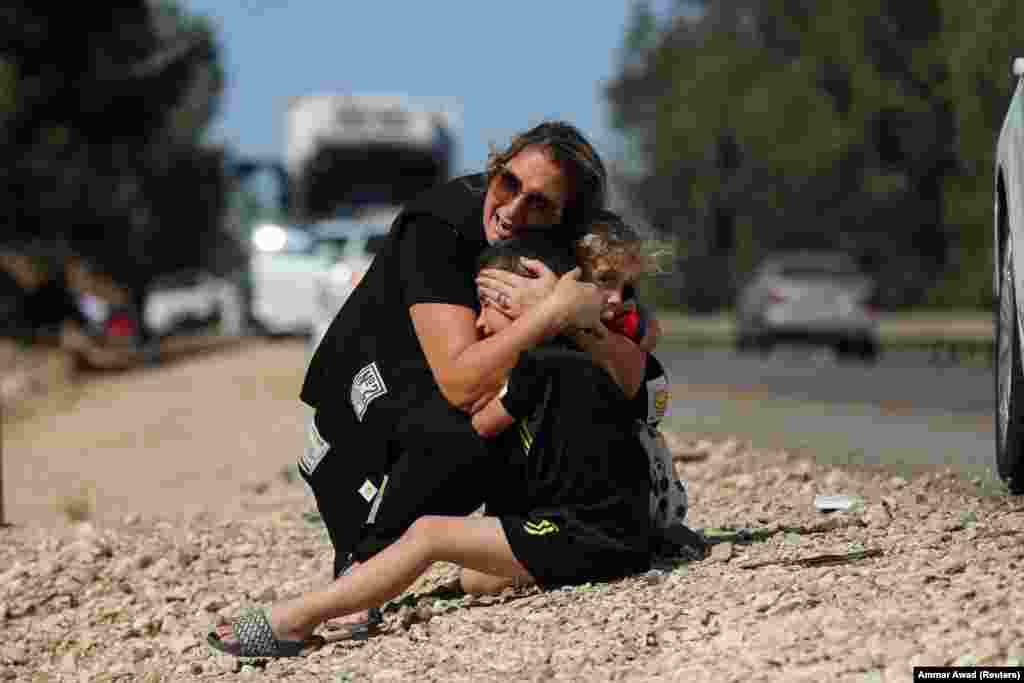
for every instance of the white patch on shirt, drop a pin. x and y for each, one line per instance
(372, 517)
(657, 399)
(316, 449)
(669, 501)
(367, 385)
(368, 490)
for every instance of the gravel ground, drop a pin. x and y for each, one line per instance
(923, 572)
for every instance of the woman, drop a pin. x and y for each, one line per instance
(401, 368)
(575, 487)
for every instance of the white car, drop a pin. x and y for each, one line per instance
(284, 265)
(811, 297)
(350, 245)
(1008, 242)
(194, 300)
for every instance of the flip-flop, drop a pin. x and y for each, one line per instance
(255, 638)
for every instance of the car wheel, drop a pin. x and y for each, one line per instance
(1009, 381)
(861, 349)
(744, 342)
(764, 344)
(867, 350)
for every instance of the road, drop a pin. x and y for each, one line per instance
(902, 411)
(186, 437)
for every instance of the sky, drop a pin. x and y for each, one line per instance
(508, 65)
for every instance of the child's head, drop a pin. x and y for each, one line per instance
(611, 255)
(506, 255)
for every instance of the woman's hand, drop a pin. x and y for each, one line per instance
(580, 304)
(513, 293)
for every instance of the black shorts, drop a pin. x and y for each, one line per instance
(559, 549)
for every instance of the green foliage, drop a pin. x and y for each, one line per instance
(866, 126)
(100, 126)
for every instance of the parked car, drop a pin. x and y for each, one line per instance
(177, 303)
(1008, 242)
(816, 297)
(194, 300)
(349, 245)
(284, 265)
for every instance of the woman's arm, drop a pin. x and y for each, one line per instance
(466, 368)
(493, 419)
(621, 357)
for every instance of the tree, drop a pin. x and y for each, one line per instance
(862, 126)
(101, 129)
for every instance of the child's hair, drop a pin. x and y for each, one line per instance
(532, 244)
(606, 236)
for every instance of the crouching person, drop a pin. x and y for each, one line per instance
(573, 507)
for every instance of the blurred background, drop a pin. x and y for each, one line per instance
(183, 169)
(148, 144)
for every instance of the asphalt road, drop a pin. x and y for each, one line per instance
(903, 411)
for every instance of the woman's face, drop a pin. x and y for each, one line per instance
(530, 189)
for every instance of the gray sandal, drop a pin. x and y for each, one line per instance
(255, 638)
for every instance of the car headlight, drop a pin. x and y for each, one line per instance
(269, 237)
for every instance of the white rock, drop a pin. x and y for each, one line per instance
(765, 600)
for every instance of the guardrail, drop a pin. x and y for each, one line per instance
(955, 336)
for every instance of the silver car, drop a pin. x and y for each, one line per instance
(815, 297)
(1008, 241)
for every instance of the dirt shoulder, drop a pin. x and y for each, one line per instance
(925, 573)
(185, 471)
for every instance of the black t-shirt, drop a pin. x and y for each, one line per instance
(370, 368)
(572, 448)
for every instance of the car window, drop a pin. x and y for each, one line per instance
(331, 248)
(375, 243)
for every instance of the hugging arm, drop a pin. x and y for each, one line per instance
(492, 419)
(442, 299)
(621, 357)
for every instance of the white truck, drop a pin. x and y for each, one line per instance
(345, 152)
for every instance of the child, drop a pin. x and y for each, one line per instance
(571, 506)
(611, 255)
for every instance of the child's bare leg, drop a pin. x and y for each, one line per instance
(349, 619)
(475, 542)
(479, 583)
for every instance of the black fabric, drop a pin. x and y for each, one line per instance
(577, 508)
(430, 256)
(446, 226)
(445, 469)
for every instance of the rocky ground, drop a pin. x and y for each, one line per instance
(922, 572)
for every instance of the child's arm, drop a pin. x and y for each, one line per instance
(492, 419)
(624, 355)
(653, 336)
(619, 356)
(639, 325)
